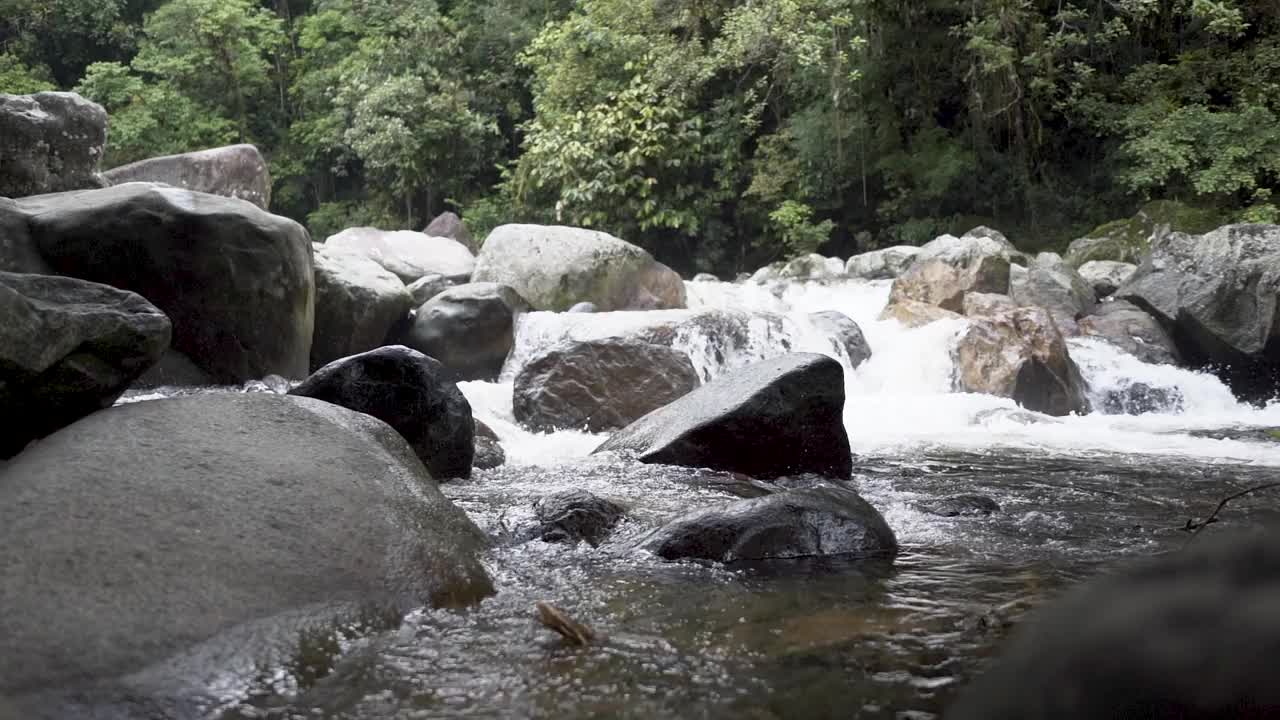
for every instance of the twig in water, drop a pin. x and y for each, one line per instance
(1194, 526)
(574, 633)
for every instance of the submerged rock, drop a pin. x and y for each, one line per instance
(1140, 398)
(1131, 329)
(555, 267)
(1184, 635)
(802, 523)
(237, 171)
(157, 554)
(883, 264)
(574, 516)
(68, 348)
(1218, 292)
(960, 506)
(470, 329)
(410, 255)
(599, 385)
(408, 391)
(236, 282)
(774, 417)
(1020, 354)
(50, 142)
(358, 302)
(845, 335)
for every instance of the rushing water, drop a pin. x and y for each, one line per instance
(813, 639)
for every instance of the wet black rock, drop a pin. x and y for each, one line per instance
(1191, 634)
(410, 392)
(790, 524)
(489, 453)
(1140, 398)
(576, 516)
(470, 329)
(960, 506)
(774, 417)
(68, 348)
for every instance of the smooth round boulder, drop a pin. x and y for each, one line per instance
(410, 255)
(158, 554)
(599, 385)
(846, 336)
(50, 142)
(1190, 634)
(1131, 329)
(410, 392)
(429, 286)
(358, 303)
(470, 329)
(236, 282)
(556, 267)
(449, 225)
(1020, 354)
(803, 523)
(237, 171)
(68, 348)
(782, 416)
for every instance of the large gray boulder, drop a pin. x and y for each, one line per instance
(1130, 240)
(883, 264)
(18, 252)
(236, 281)
(237, 171)
(938, 283)
(470, 329)
(1219, 293)
(358, 302)
(429, 286)
(1131, 329)
(1020, 354)
(410, 255)
(599, 385)
(774, 417)
(1106, 276)
(555, 267)
(449, 225)
(1054, 285)
(68, 348)
(811, 522)
(410, 392)
(160, 553)
(1190, 634)
(846, 336)
(961, 252)
(50, 142)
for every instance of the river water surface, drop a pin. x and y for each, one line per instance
(836, 639)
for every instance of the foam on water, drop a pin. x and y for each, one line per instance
(901, 400)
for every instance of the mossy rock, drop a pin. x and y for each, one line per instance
(1130, 239)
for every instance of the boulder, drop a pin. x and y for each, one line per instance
(846, 336)
(50, 142)
(1131, 329)
(1139, 398)
(960, 506)
(68, 348)
(18, 251)
(1020, 354)
(236, 282)
(237, 171)
(429, 286)
(583, 307)
(1220, 295)
(1106, 276)
(811, 522)
(470, 329)
(408, 391)
(599, 385)
(1188, 634)
(174, 370)
(358, 303)
(158, 554)
(410, 255)
(961, 252)
(883, 264)
(934, 282)
(488, 453)
(555, 267)
(574, 516)
(775, 417)
(1052, 284)
(705, 277)
(1130, 240)
(811, 267)
(914, 314)
(980, 304)
(449, 225)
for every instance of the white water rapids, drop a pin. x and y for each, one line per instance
(899, 402)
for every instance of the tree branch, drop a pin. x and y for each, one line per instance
(1194, 526)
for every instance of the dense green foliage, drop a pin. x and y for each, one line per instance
(718, 134)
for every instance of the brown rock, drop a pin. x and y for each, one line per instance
(1020, 354)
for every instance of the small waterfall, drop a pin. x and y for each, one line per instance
(901, 400)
